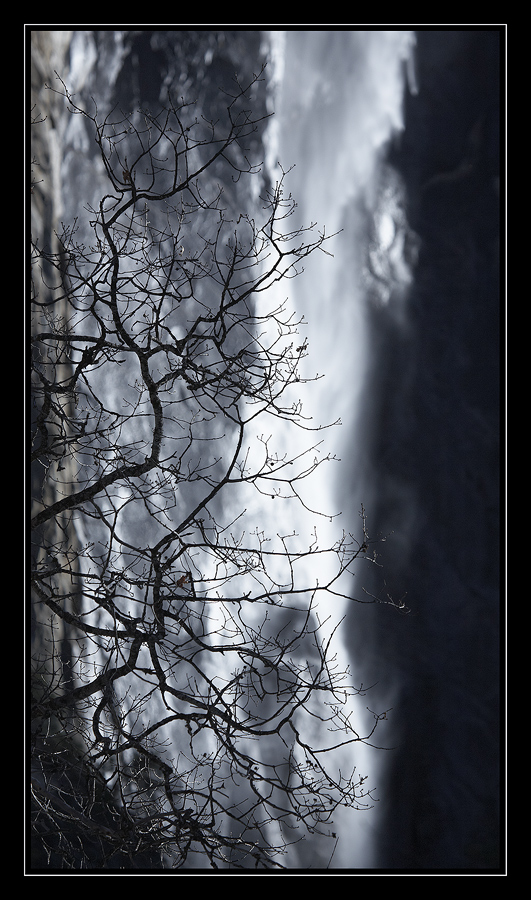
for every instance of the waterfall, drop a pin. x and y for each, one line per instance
(337, 100)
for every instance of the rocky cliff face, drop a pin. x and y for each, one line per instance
(49, 54)
(434, 418)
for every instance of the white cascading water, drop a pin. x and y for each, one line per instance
(337, 102)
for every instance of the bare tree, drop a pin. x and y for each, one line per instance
(185, 694)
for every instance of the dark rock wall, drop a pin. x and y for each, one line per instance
(435, 453)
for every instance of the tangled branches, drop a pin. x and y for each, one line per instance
(185, 694)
